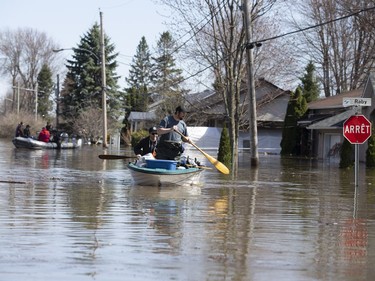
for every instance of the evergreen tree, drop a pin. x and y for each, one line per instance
(66, 99)
(310, 87)
(140, 78)
(45, 89)
(346, 154)
(168, 77)
(370, 152)
(84, 76)
(224, 155)
(291, 134)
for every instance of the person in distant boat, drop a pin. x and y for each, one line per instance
(19, 130)
(26, 131)
(49, 127)
(147, 144)
(170, 142)
(55, 137)
(44, 135)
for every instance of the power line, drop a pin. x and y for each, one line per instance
(314, 26)
(210, 16)
(256, 43)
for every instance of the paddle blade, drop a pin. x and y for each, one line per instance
(218, 165)
(114, 157)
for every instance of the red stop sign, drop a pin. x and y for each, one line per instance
(357, 129)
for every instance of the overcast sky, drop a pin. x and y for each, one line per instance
(124, 21)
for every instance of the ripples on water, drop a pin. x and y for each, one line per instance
(71, 216)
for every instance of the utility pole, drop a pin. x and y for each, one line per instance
(104, 83)
(18, 98)
(36, 101)
(35, 90)
(57, 100)
(253, 130)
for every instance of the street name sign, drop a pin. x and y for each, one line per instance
(357, 129)
(356, 102)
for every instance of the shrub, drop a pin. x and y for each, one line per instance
(370, 152)
(9, 122)
(346, 155)
(137, 136)
(224, 154)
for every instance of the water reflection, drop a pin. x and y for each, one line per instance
(69, 215)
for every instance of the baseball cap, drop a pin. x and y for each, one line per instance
(152, 130)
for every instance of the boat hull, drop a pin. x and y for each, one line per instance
(21, 142)
(162, 177)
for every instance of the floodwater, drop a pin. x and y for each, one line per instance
(67, 215)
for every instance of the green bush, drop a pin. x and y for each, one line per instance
(370, 152)
(346, 155)
(224, 154)
(291, 135)
(137, 136)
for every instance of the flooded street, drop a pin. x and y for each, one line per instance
(67, 215)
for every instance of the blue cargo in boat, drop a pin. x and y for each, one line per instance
(161, 164)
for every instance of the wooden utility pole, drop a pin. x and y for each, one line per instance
(18, 98)
(104, 83)
(35, 90)
(253, 130)
(57, 100)
(36, 101)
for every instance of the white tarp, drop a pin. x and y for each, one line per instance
(208, 138)
(205, 137)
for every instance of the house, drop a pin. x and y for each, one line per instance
(326, 117)
(207, 109)
(141, 120)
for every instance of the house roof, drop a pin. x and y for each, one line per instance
(273, 111)
(140, 116)
(333, 122)
(271, 102)
(334, 101)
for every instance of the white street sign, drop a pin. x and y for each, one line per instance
(356, 102)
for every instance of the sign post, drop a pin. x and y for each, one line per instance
(357, 130)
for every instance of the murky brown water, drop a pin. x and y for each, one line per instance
(67, 215)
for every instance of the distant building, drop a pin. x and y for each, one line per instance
(141, 120)
(324, 123)
(207, 109)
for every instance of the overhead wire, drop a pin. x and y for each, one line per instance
(254, 43)
(315, 26)
(209, 17)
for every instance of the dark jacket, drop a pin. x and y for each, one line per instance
(145, 146)
(26, 132)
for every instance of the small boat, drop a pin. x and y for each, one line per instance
(30, 143)
(170, 175)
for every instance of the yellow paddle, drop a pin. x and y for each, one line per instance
(218, 165)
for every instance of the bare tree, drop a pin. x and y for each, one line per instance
(89, 124)
(212, 35)
(342, 42)
(25, 51)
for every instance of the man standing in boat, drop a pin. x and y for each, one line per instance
(170, 142)
(19, 130)
(147, 144)
(26, 131)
